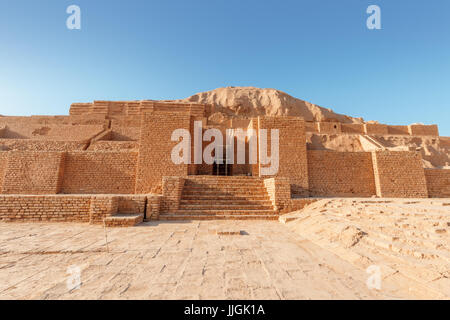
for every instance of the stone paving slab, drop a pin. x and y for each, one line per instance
(175, 260)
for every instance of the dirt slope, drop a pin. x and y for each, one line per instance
(251, 101)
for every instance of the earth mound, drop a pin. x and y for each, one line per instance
(250, 102)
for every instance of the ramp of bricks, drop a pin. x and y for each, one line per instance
(219, 197)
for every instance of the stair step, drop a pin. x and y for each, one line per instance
(224, 212)
(223, 197)
(232, 201)
(168, 217)
(124, 220)
(229, 206)
(224, 192)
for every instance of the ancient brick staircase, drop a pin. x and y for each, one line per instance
(219, 197)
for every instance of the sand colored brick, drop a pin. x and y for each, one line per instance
(422, 130)
(399, 174)
(438, 182)
(292, 150)
(156, 147)
(340, 173)
(117, 154)
(99, 172)
(33, 172)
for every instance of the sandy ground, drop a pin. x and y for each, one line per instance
(185, 260)
(408, 240)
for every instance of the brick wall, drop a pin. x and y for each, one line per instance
(279, 191)
(74, 208)
(334, 173)
(114, 146)
(375, 128)
(99, 172)
(399, 174)
(40, 145)
(311, 127)
(131, 203)
(329, 127)
(3, 164)
(156, 148)
(352, 128)
(423, 130)
(292, 150)
(44, 208)
(102, 207)
(55, 132)
(438, 182)
(172, 187)
(33, 172)
(403, 130)
(153, 206)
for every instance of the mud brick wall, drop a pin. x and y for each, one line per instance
(102, 207)
(3, 164)
(172, 187)
(438, 182)
(155, 149)
(114, 146)
(403, 130)
(33, 172)
(56, 208)
(352, 128)
(99, 172)
(131, 204)
(399, 174)
(40, 145)
(329, 127)
(50, 132)
(292, 150)
(423, 130)
(344, 174)
(375, 128)
(279, 191)
(153, 206)
(311, 127)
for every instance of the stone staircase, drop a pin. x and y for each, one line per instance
(226, 198)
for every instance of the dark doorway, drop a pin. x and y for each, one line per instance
(222, 169)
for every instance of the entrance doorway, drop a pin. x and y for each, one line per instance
(222, 169)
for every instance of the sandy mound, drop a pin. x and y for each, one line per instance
(251, 102)
(407, 239)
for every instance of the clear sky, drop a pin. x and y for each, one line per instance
(317, 50)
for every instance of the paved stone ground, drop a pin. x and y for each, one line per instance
(174, 260)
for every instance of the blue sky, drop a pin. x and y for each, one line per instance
(318, 50)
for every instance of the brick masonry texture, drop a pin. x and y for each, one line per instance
(375, 128)
(292, 150)
(340, 173)
(156, 148)
(33, 172)
(399, 174)
(422, 130)
(44, 208)
(76, 208)
(111, 161)
(99, 172)
(438, 182)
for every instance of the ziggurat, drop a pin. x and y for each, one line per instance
(109, 162)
